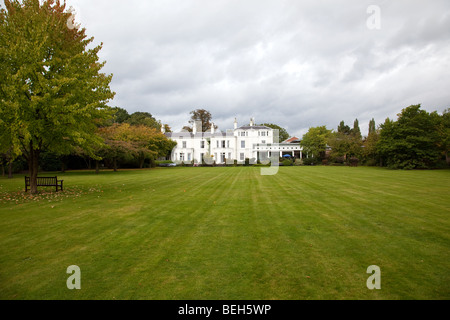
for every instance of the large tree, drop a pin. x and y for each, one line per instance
(370, 151)
(314, 142)
(52, 91)
(412, 141)
(372, 126)
(346, 142)
(204, 117)
(139, 142)
(120, 115)
(444, 135)
(144, 119)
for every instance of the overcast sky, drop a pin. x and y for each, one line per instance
(294, 63)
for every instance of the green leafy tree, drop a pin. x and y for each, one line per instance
(314, 142)
(372, 127)
(140, 142)
(167, 128)
(117, 144)
(356, 131)
(343, 128)
(370, 151)
(120, 115)
(340, 144)
(412, 141)
(144, 119)
(52, 91)
(346, 143)
(444, 135)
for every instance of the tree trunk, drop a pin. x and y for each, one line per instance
(33, 163)
(115, 164)
(97, 167)
(141, 162)
(10, 170)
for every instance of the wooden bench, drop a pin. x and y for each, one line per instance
(45, 182)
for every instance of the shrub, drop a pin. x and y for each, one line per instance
(371, 163)
(309, 161)
(353, 162)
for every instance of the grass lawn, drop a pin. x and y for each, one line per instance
(229, 233)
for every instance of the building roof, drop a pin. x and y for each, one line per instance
(292, 140)
(254, 127)
(197, 135)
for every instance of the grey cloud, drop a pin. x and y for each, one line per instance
(294, 63)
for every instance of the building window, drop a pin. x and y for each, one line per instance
(181, 156)
(263, 142)
(189, 157)
(184, 144)
(223, 143)
(202, 144)
(229, 155)
(201, 156)
(263, 133)
(243, 144)
(228, 143)
(217, 143)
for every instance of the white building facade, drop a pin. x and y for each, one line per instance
(246, 142)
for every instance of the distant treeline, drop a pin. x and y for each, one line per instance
(416, 140)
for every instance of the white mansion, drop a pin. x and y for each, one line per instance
(251, 141)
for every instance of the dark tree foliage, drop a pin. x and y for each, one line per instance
(412, 141)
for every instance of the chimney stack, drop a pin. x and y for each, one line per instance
(196, 127)
(235, 124)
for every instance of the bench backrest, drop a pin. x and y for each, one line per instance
(46, 180)
(43, 180)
